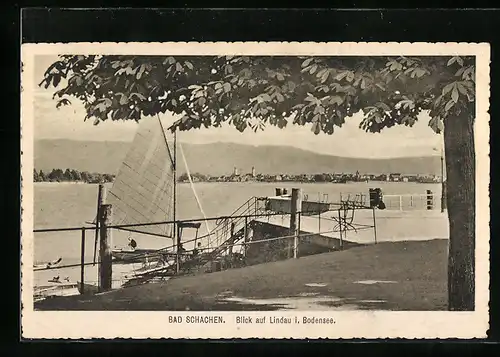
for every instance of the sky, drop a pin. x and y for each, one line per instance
(68, 122)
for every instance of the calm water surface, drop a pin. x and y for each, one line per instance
(71, 205)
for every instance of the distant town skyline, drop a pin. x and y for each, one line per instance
(347, 141)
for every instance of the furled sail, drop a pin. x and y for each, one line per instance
(143, 190)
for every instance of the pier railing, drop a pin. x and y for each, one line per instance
(406, 202)
(400, 202)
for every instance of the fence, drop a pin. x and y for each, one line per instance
(238, 232)
(411, 202)
(401, 202)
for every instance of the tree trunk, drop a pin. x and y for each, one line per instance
(460, 168)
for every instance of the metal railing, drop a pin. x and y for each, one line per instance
(238, 223)
(405, 202)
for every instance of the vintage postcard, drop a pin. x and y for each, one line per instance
(255, 190)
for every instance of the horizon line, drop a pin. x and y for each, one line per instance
(251, 145)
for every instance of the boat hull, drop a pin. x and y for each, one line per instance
(134, 256)
(55, 289)
(87, 289)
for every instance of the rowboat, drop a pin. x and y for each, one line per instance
(87, 289)
(91, 288)
(55, 288)
(126, 255)
(48, 265)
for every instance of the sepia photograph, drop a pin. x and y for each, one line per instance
(250, 185)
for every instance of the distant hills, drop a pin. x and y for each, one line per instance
(92, 156)
(220, 158)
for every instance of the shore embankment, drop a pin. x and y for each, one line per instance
(407, 275)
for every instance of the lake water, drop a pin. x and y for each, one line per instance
(59, 205)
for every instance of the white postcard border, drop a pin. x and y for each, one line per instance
(348, 324)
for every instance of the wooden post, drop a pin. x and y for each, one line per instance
(82, 263)
(178, 244)
(299, 218)
(255, 209)
(296, 206)
(231, 239)
(101, 199)
(374, 225)
(246, 231)
(400, 202)
(105, 262)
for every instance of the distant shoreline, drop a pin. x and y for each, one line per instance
(309, 182)
(47, 183)
(62, 182)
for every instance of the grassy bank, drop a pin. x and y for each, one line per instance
(416, 272)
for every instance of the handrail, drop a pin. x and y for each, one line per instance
(410, 195)
(117, 226)
(236, 237)
(246, 207)
(221, 248)
(245, 203)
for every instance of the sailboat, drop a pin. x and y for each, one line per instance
(144, 192)
(48, 265)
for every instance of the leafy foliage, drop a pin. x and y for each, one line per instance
(251, 92)
(71, 175)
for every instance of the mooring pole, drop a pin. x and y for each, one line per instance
(374, 225)
(299, 217)
(296, 206)
(178, 243)
(101, 199)
(105, 261)
(82, 263)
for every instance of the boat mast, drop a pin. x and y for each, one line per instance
(174, 169)
(175, 173)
